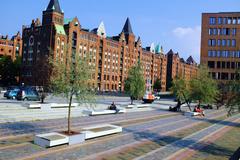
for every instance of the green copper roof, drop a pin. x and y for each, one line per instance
(60, 29)
(158, 48)
(68, 20)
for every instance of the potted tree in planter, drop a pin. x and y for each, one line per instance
(70, 79)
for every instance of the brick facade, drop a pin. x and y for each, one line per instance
(11, 47)
(112, 57)
(178, 67)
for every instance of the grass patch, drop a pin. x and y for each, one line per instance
(100, 129)
(144, 148)
(14, 141)
(223, 148)
(131, 122)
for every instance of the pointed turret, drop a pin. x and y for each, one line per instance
(127, 29)
(54, 6)
(53, 14)
(101, 31)
(190, 60)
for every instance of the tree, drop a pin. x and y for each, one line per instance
(135, 84)
(233, 96)
(9, 70)
(181, 90)
(157, 85)
(71, 78)
(202, 87)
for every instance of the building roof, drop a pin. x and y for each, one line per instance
(68, 20)
(170, 52)
(190, 60)
(127, 29)
(54, 6)
(60, 29)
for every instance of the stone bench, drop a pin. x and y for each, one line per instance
(33, 106)
(48, 106)
(103, 112)
(101, 130)
(130, 106)
(62, 105)
(55, 139)
(192, 114)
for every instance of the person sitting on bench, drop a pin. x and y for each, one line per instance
(113, 107)
(177, 108)
(199, 110)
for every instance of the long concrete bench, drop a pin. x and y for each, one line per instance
(101, 130)
(56, 139)
(103, 112)
(62, 105)
(191, 114)
(137, 106)
(48, 106)
(34, 106)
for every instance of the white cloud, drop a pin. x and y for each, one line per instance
(188, 41)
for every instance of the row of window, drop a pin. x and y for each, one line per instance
(87, 37)
(112, 45)
(222, 42)
(224, 20)
(107, 87)
(225, 53)
(6, 43)
(107, 77)
(222, 31)
(223, 65)
(223, 76)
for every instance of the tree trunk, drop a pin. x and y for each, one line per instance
(187, 102)
(131, 100)
(69, 114)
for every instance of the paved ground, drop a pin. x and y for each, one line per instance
(15, 111)
(147, 134)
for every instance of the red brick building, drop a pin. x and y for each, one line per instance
(11, 47)
(178, 67)
(112, 57)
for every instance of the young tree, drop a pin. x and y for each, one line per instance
(157, 85)
(181, 90)
(71, 78)
(233, 96)
(203, 88)
(135, 84)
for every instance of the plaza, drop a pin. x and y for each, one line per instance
(148, 133)
(72, 91)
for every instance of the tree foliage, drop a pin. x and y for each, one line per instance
(71, 79)
(157, 85)
(233, 97)
(135, 84)
(9, 70)
(180, 88)
(203, 88)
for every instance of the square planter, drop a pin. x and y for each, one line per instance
(50, 139)
(76, 139)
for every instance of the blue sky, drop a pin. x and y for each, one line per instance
(174, 24)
